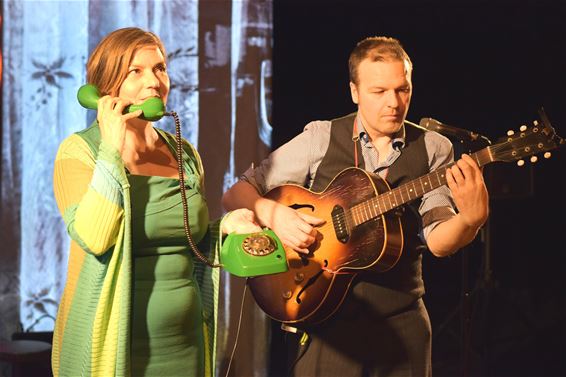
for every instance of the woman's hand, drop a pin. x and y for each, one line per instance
(112, 122)
(240, 221)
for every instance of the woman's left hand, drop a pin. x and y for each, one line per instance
(240, 221)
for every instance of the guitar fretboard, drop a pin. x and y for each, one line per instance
(385, 202)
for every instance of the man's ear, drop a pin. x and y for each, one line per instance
(354, 92)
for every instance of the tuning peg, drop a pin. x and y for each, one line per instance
(535, 122)
(520, 163)
(523, 128)
(510, 133)
(547, 154)
(534, 159)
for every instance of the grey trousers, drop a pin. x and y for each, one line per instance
(359, 343)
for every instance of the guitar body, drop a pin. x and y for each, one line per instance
(316, 284)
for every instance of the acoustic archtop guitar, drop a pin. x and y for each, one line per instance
(362, 231)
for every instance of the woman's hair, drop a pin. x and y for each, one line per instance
(376, 49)
(108, 64)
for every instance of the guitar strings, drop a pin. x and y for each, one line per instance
(377, 206)
(363, 212)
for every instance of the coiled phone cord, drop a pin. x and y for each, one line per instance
(192, 243)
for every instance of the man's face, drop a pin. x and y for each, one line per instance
(383, 94)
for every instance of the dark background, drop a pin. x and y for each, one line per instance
(486, 66)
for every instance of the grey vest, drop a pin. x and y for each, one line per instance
(400, 287)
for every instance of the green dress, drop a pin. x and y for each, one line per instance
(167, 329)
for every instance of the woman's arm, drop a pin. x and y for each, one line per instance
(89, 193)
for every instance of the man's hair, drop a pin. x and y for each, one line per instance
(377, 49)
(108, 64)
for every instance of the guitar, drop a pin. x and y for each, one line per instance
(362, 231)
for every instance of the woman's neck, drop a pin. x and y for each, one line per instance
(140, 139)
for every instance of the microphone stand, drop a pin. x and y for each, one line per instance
(470, 142)
(486, 290)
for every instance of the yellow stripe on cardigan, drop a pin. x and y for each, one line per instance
(76, 260)
(95, 206)
(105, 336)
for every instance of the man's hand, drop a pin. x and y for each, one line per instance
(295, 229)
(466, 183)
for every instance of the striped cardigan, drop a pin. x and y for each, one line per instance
(92, 331)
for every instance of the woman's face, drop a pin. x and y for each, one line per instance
(147, 77)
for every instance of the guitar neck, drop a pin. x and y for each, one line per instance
(409, 191)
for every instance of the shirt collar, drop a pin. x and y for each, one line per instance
(397, 141)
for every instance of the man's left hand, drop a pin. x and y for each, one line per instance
(466, 183)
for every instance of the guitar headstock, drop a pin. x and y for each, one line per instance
(528, 141)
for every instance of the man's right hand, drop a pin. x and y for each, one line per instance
(295, 229)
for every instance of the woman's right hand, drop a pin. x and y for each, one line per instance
(112, 122)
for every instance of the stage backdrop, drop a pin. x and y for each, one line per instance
(219, 62)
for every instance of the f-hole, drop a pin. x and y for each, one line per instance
(311, 282)
(299, 206)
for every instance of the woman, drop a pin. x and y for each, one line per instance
(132, 302)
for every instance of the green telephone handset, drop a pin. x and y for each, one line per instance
(153, 108)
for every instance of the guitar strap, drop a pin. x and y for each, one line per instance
(355, 139)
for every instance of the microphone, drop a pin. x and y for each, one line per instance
(444, 129)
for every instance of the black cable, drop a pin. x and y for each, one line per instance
(237, 329)
(192, 244)
(304, 344)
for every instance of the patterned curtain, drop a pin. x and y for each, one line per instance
(219, 62)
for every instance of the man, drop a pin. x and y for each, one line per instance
(382, 327)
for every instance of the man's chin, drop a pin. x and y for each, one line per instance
(394, 124)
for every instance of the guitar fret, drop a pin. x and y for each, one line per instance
(347, 223)
(359, 215)
(378, 201)
(372, 208)
(353, 213)
(443, 175)
(382, 205)
(438, 179)
(408, 191)
(476, 157)
(422, 186)
(400, 195)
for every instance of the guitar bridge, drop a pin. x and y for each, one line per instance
(340, 224)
